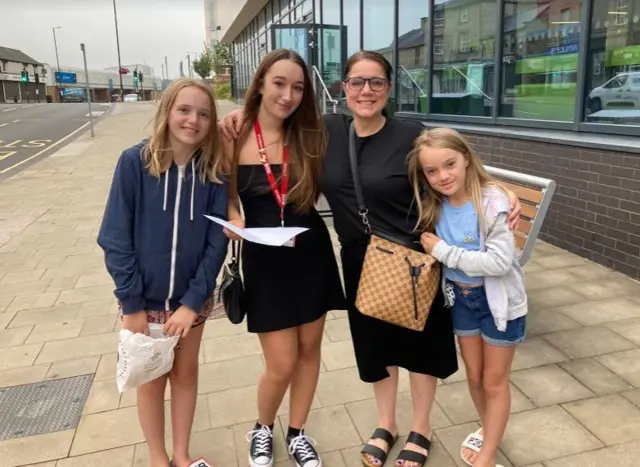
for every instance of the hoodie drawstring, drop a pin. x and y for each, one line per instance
(166, 188)
(193, 183)
(193, 188)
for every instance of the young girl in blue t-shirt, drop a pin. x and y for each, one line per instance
(482, 278)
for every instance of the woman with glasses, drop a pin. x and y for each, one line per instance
(382, 146)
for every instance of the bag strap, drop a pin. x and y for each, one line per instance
(353, 159)
(236, 245)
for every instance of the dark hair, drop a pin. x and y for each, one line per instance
(304, 130)
(372, 56)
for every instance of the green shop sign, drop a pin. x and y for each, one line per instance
(625, 56)
(547, 64)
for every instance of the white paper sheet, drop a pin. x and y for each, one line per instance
(272, 236)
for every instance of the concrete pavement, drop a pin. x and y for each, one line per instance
(29, 132)
(575, 384)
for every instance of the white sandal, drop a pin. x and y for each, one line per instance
(474, 442)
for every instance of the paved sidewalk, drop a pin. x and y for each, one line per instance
(576, 396)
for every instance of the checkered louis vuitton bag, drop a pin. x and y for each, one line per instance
(399, 281)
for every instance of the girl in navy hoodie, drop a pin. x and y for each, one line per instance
(163, 254)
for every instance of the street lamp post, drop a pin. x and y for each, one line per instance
(115, 19)
(55, 43)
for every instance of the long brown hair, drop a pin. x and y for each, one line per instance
(304, 132)
(157, 153)
(476, 178)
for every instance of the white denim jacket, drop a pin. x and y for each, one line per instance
(497, 261)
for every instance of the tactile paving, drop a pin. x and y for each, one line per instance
(45, 407)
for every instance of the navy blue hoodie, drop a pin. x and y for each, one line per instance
(159, 248)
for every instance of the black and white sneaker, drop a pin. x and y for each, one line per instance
(261, 449)
(302, 451)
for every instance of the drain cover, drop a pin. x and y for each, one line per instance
(38, 408)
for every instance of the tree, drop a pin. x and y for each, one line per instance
(221, 57)
(204, 65)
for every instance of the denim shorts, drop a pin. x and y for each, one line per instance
(471, 316)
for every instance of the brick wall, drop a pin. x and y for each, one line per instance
(595, 211)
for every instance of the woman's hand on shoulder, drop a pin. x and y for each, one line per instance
(231, 235)
(515, 209)
(231, 124)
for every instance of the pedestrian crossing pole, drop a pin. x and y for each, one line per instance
(88, 89)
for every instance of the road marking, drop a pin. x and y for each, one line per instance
(96, 113)
(16, 121)
(46, 149)
(3, 124)
(5, 154)
(9, 110)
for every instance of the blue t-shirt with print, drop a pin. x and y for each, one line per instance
(458, 226)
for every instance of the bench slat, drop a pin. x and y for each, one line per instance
(529, 211)
(524, 226)
(524, 193)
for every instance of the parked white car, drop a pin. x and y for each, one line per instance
(131, 98)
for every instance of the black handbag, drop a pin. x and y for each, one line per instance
(231, 288)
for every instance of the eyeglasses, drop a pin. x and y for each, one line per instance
(376, 84)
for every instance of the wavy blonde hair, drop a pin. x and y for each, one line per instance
(157, 152)
(429, 200)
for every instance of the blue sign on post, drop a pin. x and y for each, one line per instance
(65, 77)
(110, 86)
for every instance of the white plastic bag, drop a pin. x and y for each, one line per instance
(143, 358)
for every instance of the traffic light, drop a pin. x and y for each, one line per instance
(24, 76)
(135, 75)
(36, 76)
(140, 77)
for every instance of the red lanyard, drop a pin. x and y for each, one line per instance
(280, 194)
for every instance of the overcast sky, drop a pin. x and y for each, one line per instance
(148, 30)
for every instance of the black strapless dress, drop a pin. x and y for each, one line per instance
(285, 287)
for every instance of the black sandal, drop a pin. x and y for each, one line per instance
(406, 455)
(376, 452)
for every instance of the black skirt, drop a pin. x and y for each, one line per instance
(288, 287)
(379, 345)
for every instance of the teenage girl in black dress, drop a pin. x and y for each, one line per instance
(288, 290)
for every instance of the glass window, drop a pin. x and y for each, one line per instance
(352, 26)
(261, 21)
(412, 73)
(377, 21)
(540, 59)
(331, 12)
(269, 13)
(463, 63)
(612, 76)
(276, 10)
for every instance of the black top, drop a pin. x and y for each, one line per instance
(382, 160)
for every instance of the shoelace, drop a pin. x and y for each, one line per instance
(262, 437)
(302, 445)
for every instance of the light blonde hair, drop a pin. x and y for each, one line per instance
(477, 178)
(157, 153)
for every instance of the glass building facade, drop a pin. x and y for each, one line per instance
(557, 64)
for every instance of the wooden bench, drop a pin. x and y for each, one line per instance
(535, 195)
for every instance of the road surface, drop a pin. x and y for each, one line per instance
(29, 132)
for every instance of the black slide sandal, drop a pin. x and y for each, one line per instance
(375, 451)
(407, 455)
